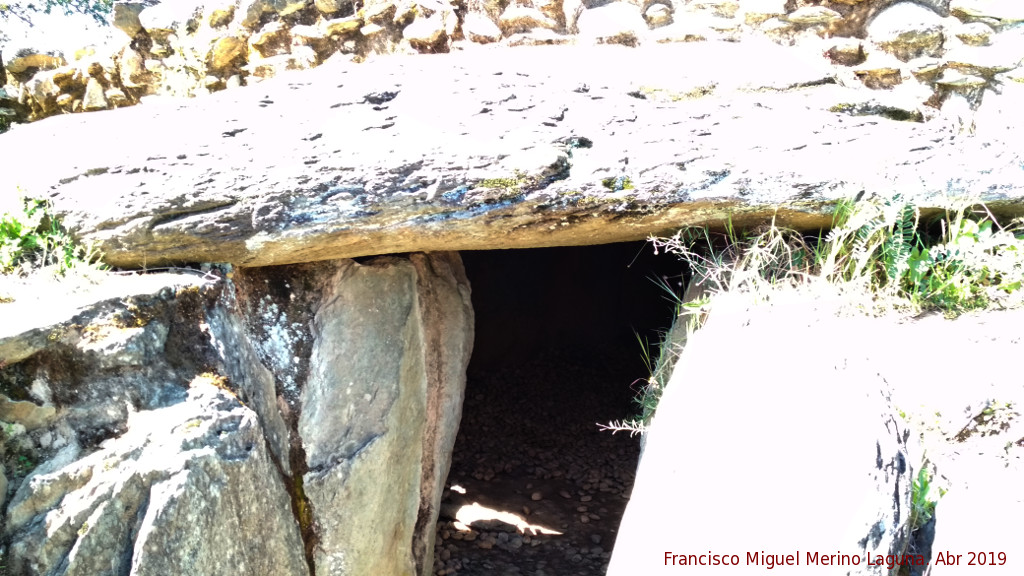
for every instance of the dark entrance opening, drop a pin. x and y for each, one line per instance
(541, 487)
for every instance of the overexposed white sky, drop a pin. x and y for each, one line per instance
(55, 31)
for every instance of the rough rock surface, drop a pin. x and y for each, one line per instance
(972, 433)
(192, 48)
(800, 473)
(379, 411)
(538, 147)
(186, 485)
(104, 404)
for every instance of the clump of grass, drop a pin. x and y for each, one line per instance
(922, 505)
(31, 238)
(877, 256)
(660, 359)
(877, 247)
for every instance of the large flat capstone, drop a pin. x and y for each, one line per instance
(485, 149)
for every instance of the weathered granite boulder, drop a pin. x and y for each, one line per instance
(155, 419)
(762, 463)
(186, 485)
(585, 145)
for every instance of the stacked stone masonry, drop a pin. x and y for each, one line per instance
(923, 56)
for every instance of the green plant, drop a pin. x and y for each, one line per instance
(975, 263)
(32, 238)
(875, 254)
(870, 242)
(23, 464)
(922, 506)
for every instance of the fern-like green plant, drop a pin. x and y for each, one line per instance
(32, 238)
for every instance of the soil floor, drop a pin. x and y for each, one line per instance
(536, 488)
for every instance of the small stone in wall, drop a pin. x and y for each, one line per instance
(553, 9)
(126, 16)
(340, 26)
(658, 15)
(425, 33)
(221, 17)
(162, 19)
(479, 28)
(1001, 12)
(984, 60)
(975, 34)
(517, 19)
(379, 12)
(371, 29)
(67, 77)
(64, 102)
(226, 52)
(717, 8)
(316, 38)
(846, 52)
(953, 78)
(24, 67)
(756, 12)
(908, 31)
(330, 6)
(25, 413)
(94, 97)
(301, 58)
(779, 31)
(132, 69)
(116, 97)
(307, 35)
(811, 15)
(272, 40)
(926, 69)
(879, 74)
(615, 23)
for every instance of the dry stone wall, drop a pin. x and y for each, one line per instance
(920, 53)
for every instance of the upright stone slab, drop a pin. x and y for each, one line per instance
(747, 457)
(380, 410)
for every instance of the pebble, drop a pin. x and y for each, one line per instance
(536, 496)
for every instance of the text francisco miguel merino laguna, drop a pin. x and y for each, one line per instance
(809, 559)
